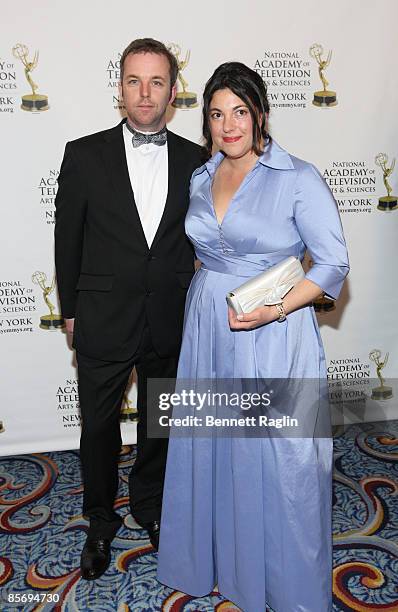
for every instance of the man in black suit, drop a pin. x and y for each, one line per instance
(123, 267)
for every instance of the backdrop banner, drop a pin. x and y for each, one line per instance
(333, 90)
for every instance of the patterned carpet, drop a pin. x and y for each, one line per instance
(42, 534)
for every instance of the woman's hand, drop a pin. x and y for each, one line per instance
(255, 318)
(303, 294)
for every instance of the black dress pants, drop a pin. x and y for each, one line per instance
(101, 388)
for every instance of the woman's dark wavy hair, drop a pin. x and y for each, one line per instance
(249, 87)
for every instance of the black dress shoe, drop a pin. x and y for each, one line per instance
(95, 559)
(153, 529)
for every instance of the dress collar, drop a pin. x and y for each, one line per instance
(276, 157)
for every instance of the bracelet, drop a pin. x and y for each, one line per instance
(281, 312)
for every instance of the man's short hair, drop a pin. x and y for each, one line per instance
(150, 45)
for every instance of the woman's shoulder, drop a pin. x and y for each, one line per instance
(279, 158)
(305, 174)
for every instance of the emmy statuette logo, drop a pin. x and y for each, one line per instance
(50, 321)
(382, 392)
(33, 102)
(322, 303)
(324, 97)
(184, 99)
(129, 412)
(388, 202)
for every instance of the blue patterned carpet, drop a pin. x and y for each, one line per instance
(42, 535)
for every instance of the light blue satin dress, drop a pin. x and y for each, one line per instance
(253, 516)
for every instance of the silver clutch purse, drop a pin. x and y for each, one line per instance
(267, 288)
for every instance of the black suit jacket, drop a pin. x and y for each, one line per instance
(108, 278)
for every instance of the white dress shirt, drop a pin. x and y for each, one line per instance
(148, 171)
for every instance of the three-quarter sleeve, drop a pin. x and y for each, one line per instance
(319, 225)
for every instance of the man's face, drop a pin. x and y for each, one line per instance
(146, 90)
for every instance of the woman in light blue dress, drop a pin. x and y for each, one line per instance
(253, 515)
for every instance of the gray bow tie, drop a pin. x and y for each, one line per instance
(140, 138)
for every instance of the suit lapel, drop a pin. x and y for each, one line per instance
(114, 154)
(175, 160)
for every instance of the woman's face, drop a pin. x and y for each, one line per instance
(231, 124)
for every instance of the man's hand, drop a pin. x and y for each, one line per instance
(69, 324)
(255, 318)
